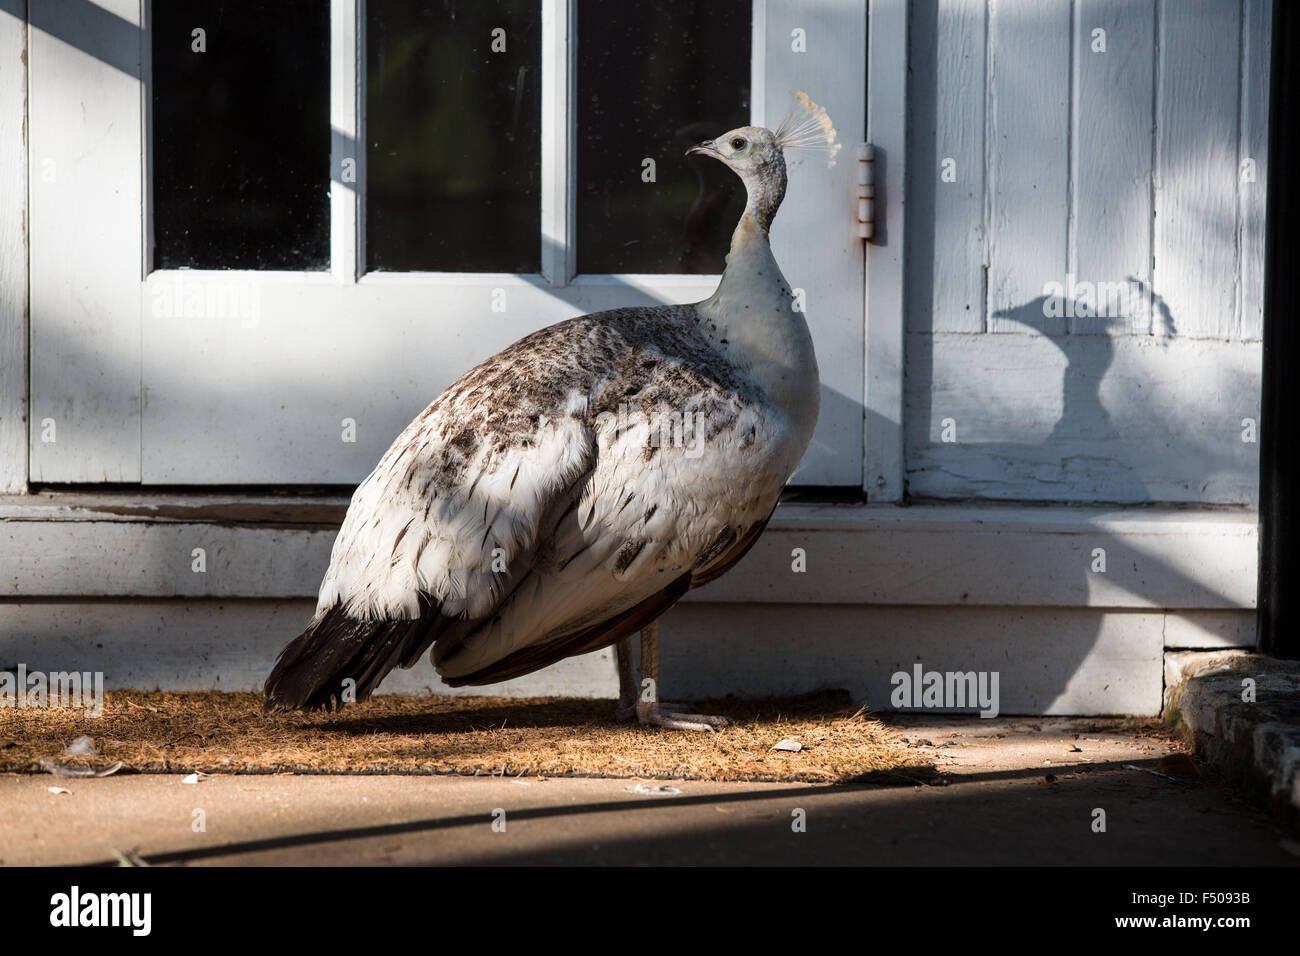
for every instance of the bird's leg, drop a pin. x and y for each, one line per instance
(627, 686)
(647, 702)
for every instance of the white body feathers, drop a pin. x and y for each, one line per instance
(568, 490)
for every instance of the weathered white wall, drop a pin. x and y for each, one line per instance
(98, 583)
(1065, 660)
(224, 645)
(64, 547)
(13, 248)
(1037, 156)
(85, 117)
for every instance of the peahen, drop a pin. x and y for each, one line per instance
(566, 492)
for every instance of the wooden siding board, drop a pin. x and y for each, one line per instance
(948, 44)
(1139, 150)
(1111, 158)
(1048, 660)
(228, 645)
(884, 295)
(1028, 145)
(1093, 662)
(928, 554)
(1198, 106)
(87, 253)
(1083, 418)
(1255, 64)
(13, 249)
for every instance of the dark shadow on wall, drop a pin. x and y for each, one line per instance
(1074, 452)
(1085, 424)
(92, 29)
(1087, 456)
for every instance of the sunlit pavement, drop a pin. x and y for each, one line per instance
(1016, 791)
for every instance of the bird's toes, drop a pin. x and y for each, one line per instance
(679, 711)
(682, 722)
(673, 720)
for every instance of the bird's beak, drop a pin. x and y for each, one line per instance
(704, 147)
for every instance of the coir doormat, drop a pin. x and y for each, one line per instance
(818, 738)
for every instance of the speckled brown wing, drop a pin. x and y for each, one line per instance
(731, 555)
(588, 639)
(605, 633)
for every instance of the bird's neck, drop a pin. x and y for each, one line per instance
(765, 189)
(751, 269)
(753, 319)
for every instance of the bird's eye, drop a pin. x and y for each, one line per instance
(738, 143)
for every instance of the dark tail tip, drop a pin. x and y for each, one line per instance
(342, 659)
(310, 672)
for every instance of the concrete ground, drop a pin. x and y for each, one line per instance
(1012, 791)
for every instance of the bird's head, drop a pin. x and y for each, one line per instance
(757, 155)
(746, 150)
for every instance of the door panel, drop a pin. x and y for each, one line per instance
(814, 236)
(87, 250)
(239, 376)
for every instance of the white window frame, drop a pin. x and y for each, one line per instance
(259, 395)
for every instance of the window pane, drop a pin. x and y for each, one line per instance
(653, 79)
(241, 135)
(453, 135)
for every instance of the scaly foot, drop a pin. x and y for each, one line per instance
(654, 714)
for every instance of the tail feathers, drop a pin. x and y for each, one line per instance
(312, 671)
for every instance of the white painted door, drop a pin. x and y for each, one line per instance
(158, 357)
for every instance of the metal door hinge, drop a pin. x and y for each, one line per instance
(866, 191)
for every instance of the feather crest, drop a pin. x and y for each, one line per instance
(807, 126)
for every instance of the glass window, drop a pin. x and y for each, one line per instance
(453, 135)
(653, 79)
(241, 135)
